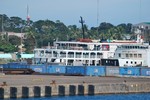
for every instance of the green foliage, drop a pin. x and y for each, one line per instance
(42, 32)
(7, 47)
(30, 42)
(14, 40)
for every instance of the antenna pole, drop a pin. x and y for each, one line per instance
(140, 11)
(81, 21)
(28, 17)
(97, 12)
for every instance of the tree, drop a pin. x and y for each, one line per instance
(7, 47)
(105, 26)
(15, 40)
(41, 32)
(74, 32)
(30, 42)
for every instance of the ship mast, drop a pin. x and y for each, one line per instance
(83, 33)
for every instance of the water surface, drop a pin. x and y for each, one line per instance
(144, 96)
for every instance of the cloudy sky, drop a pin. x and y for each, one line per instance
(69, 11)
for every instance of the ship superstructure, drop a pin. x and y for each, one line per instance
(77, 52)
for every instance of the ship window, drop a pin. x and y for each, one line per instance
(105, 47)
(127, 55)
(135, 55)
(99, 55)
(129, 47)
(126, 62)
(135, 62)
(131, 55)
(78, 55)
(139, 55)
(47, 51)
(85, 55)
(131, 62)
(54, 53)
(92, 55)
(62, 54)
(70, 54)
(119, 55)
(140, 47)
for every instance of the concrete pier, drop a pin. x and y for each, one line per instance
(25, 86)
(72, 89)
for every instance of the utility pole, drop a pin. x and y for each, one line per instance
(2, 29)
(81, 21)
(97, 13)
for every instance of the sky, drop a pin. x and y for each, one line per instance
(69, 11)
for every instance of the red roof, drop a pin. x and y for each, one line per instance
(84, 40)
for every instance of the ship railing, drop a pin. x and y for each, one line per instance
(70, 48)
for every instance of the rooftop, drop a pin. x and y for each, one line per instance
(6, 56)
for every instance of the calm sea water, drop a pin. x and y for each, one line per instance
(145, 96)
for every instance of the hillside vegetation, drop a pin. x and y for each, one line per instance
(42, 32)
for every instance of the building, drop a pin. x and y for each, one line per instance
(143, 29)
(20, 35)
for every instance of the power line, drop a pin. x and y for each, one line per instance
(140, 10)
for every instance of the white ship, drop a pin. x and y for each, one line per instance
(82, 52)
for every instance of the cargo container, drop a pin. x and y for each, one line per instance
(3, 65)
(145, 71)
(24, 66)
(56, 69)
(95, 71)
(17, 65)
(75, 70)
(131, 71)
(112, 71)
(39, 68)
(13, 65)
